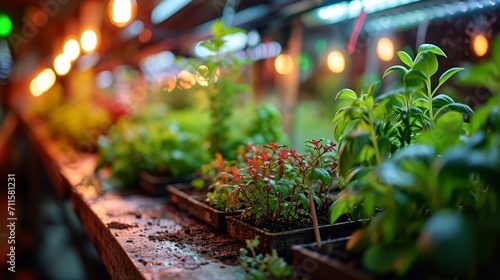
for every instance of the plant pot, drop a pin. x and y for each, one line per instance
(194, 205)
(283, 241)
(322, 267)
(157, 185)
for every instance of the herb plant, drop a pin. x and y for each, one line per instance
(167, 146)
(434, 200)
(370, 128)
(260, 267)
(435, 211)
(221, 74)
(276, 184)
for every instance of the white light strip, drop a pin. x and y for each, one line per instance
(350, 9)
(166, 9)
(401, 20)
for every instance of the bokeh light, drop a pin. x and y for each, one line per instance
(72, 49)
(42, 82)
(121, 12)
(89, 40)
(480, 45)
(62, 64)
(5, 25)
(385, 49)
(186, 79)
(283, 64)
(336, 61)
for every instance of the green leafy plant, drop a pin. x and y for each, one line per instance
(77, 122)
(417, 79)
(435, 209)
(433, 202)
(219, 174)
(221, 75)
(167, 146)
(260, 267)
(266, 126)
(370, 128)
(275, 185)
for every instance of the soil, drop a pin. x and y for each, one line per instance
(353, 260)
(118, 225)
(336, 250)
(280, 226)
(203, 240)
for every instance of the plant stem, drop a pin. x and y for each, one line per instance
(314, 217)
(429, 97)
(373, 137)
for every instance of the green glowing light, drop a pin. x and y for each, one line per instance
(5, 25)
(320, 45)
(305, 62)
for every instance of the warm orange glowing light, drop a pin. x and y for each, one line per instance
(89, 40)
(385, 49)
(283, 64)
(42, 82)
(480, 45)
(336, 61)
(167, 82)
(121, 12)
(62, 64)
(72, 49)
(186, 79)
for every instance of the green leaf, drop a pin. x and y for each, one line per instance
(371, 89)
(340, 114)
(429, 48)
(449, 239)
(303, 199)
(395, 67)
(380, 259)
(415, 75)
(341, 206)
(391, 174)
(427, 63)
(416, 111)
(446, 133)
(384, 145)
(441, 100)
(319, 174)
(462, 108)
(405, 58)
(391, 93)
(219, 29)
(447, 75)
(209, 46)
(346, 94)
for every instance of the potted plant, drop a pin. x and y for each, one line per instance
(210, 202)
(397, 185)
(157, 151)
(280, 191)
(260, 266)
(219, 74)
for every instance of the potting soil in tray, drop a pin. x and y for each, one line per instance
(330, 261)
(282, 241)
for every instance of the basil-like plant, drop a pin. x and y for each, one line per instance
(370, 128)
(437, 210)
(434, 200)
